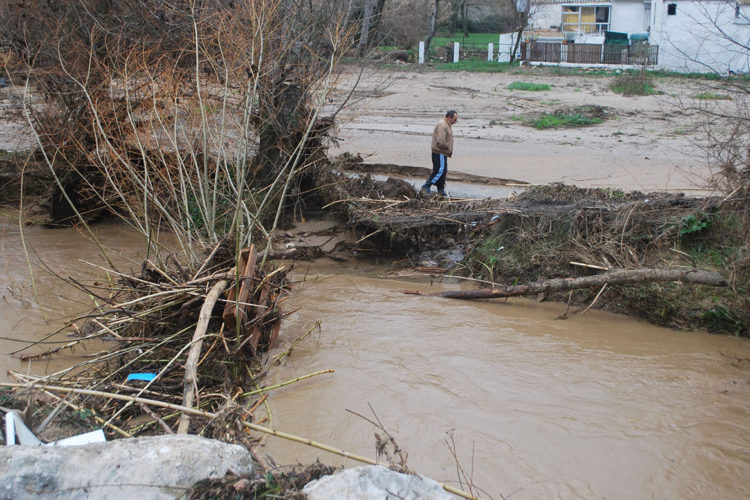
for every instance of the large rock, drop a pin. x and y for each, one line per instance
(139, 468)
(374, 482)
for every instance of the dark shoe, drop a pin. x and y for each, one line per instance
(442, 193)
(426, 188)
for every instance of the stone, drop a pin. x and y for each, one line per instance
(158, 467)
(374, 482)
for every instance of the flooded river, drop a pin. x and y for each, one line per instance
(596, 406)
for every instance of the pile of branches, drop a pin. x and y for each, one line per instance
(563, 231)
(181, 339)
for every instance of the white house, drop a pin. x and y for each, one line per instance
(691, 35)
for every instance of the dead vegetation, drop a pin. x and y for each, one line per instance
(562, 231)
(154, 325)
(282, 484)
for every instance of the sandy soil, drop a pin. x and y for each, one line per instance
(647, 143)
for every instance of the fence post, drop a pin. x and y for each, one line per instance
(421, 52)
(490, 51)
(455, 52)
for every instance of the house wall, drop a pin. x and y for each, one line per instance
(691, 40)
(629, 17)
(703, 35)
(625, 16)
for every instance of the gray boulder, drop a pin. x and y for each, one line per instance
(374, 483)
(139, 468)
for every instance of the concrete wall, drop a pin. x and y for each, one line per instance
(691, 41)
(628, 17)
(546, 16)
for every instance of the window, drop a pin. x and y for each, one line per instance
(671, 9)
(585, 19)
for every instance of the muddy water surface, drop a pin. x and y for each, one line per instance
(31, 309)
(596, 406)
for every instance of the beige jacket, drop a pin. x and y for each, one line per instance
(442, 138)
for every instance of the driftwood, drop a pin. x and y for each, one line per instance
(619, 277)
(236, 306)
(190, 380)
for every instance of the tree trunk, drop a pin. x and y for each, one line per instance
(364, 35)
(349, 12)
(619, 277)
(518, 41)
(433, 25)
(523, 12)
(377, 15)
(464, 20)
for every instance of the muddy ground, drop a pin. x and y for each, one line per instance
(647, 151)
(646, 143)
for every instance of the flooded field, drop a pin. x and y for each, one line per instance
(596, 406)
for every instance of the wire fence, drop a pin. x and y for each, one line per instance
(552, 52)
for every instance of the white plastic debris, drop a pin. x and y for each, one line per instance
(16, 432)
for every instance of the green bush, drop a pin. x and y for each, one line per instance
(559, 120)
(533, 87)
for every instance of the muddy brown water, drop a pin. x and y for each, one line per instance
(596, 406)
(33, 309)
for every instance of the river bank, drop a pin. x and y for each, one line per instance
(534, 233)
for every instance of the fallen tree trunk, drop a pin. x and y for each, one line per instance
(623, 277)
(190, 381)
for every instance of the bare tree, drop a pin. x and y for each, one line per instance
(432, 26)
(720, 42)
(199, 117)
(522, 10)
(373, 11)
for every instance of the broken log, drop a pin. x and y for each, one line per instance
(190, 380)
(236, 306)
(623, 277)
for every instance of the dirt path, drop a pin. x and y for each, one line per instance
(646, 144)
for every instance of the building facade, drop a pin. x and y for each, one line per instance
(691, 35)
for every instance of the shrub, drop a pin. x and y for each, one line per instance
(558, 120)
(633, 84)
(533, 87)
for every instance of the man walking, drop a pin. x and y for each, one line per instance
(442, 149)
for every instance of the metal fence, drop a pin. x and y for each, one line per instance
(467, 52)
(586, 53)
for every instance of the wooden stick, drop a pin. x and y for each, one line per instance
(289, 382)
(593, 301)
(191, 366)
(255, 427)
(590, 266)
(156, 418)
(618, 277)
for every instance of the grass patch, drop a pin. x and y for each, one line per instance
(709, 96)
(560, 119)
(443, 39)
(476, 66)
(532, 87)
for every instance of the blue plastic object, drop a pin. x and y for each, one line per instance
(148, 377)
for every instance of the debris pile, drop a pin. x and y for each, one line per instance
(167, 340)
